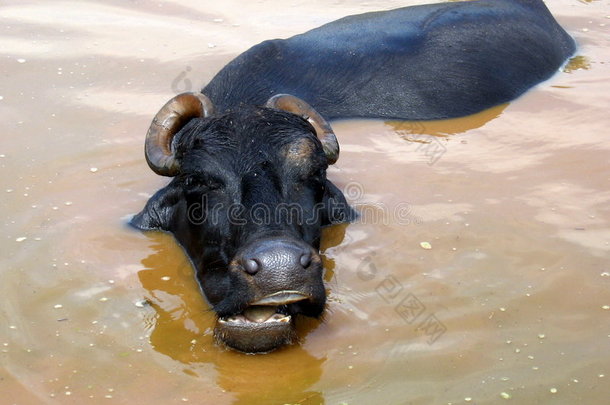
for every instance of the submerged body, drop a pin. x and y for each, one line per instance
(418, 63)
(249, 154)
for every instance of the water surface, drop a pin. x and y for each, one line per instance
(478, 273)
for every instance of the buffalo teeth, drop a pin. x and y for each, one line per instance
(279, 318)
(241, 319)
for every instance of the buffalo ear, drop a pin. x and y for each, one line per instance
(159, 211)
(336, 210)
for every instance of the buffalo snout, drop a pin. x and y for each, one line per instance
(278, 264)
(284, 276)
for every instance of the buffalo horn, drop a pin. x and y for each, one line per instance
(168, 121)
(295, 105)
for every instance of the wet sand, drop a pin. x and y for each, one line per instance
(478, 273)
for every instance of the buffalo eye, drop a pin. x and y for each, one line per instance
(201, 183)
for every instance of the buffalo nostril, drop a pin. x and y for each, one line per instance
(305, 260)
(251, 266)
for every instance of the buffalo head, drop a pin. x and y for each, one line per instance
(247, 201)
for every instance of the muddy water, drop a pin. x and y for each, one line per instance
(478, 273)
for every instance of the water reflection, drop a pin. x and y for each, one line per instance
(578, 62)
(181, 327)
(442, 128)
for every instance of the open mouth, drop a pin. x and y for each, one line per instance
(269, 309)
(257, 314)
(263, 326)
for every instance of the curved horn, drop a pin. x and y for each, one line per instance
(324, 132)
(168, 121)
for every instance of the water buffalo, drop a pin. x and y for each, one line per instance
(248, 154)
